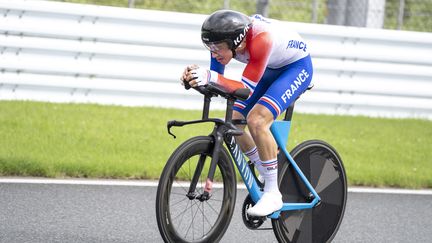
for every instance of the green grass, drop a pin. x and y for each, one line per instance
(56, 140)
(81, 140)
(417, 15)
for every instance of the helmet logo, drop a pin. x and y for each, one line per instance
(241, 36)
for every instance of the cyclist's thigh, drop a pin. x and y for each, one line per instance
(288, 86)
(265, 82)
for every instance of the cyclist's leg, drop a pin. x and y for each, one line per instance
(293, 81)
(245, 141)
(259, 121)
(241, 110)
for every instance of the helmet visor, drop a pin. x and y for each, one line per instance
(217, 46)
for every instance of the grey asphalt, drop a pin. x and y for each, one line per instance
(94, 213)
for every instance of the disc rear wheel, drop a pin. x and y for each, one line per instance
(323, 167)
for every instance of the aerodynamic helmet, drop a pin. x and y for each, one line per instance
(225, 26)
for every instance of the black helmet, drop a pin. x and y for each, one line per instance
(225, 26)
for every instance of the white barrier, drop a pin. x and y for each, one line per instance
(64, 52)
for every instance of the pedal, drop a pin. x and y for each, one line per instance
(251, 222)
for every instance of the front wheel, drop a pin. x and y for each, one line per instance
(183, 214)
(323, 168)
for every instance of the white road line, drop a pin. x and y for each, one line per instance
(148, 183)
(390, 191)
(93, 182)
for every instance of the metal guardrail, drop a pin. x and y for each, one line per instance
(62, 52)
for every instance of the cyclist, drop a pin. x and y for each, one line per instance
(278, 69)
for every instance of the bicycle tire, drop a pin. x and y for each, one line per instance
(195, 221)
(323, 167)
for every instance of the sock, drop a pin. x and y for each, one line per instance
(270, 171)
(254, 158)
(253, 155)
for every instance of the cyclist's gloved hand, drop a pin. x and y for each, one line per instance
(202, 77)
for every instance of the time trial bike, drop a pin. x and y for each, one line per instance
(197, 189)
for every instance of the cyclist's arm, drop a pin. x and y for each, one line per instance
(216, 66)
(259, 51)
(229, 84)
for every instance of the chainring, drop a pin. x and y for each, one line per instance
(251, 222)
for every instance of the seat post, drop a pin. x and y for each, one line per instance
(289, 112)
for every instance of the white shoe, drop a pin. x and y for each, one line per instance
(269, 203)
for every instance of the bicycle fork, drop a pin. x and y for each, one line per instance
(218, 141)
(222, 129)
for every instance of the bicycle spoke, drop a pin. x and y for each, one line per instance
(194, 207)
(202, 223)
(186, 174)
(189, 205)
(179, 201)
(212, 208)
(178, 194)
(187, 231)
(215, 195)
(217, 192)
(182, 212)
(193, 215)
(182, 219)
(216, 200)
(192, 219)
(182, 216)
(181, 186)
(209, 206)
(204, 216)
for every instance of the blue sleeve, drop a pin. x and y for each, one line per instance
(216, 66)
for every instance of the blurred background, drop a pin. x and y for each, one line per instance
(77, 55)
(414, 15)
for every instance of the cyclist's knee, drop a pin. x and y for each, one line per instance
(259, 120)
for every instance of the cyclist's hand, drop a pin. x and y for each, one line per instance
(187, 75)
(202, 77)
